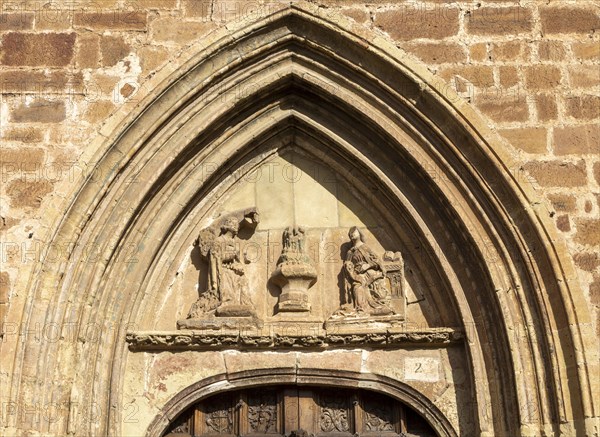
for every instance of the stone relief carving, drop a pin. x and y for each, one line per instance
(373, 285)
(226, 294)
(295, 272)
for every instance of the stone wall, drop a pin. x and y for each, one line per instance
(531, 67)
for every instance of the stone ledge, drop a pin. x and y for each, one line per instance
(201, 340)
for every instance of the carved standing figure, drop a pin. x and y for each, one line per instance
(364, 273)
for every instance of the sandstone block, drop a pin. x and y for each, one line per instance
(113, 49)
(499, 21)
(478, 52)
(504, 109)
(357, 14)
(412, 22)
(508, 75)
(197, 8)
(171, 29)
(542, 77)
(23, 135)
(557, 173)
(588, 232)
(158, 4)
(23, 193)
(577, 139)
(531, 140)
(88, 51)
(40, 111)
(27, 157)
(585, 76)
(551, 51)
(438, 53)
(480, 76)
(586, 50)
(585, 107)
(40, 82)
(596, 170)
(562, 223)
(99, 111)
(546, 107)
(569, 19)
(42, 49)
(16, 21)
(116, 20)
(508, 51)
(587, 261)
(563, 202)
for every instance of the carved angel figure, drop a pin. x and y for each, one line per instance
(364, 272)
(227, 282)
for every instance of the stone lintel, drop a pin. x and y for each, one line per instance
(248, 339)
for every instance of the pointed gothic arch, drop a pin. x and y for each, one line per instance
(299, 72)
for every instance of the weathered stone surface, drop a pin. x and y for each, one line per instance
(542, 77)
(197, 8)
(584, 76)
(39, 111)
(508, 51)
(531, 140)
(563, 223)
(588, 232)
(99, 111)
(597, 172)
(569, 19)
(25, 156)
(509, 76)
(170, 29)
(357, 14)
(16, 21)
(88, 53)
(414, 22)
(586, 50)
(438, 53)
(342, 360)
(44, 49)
(558, 173)
(4, 287)
(504, 110)
(23, 135)
(113, 49)
(117, 20)
(478, 52)
(563, 202)
(584, 139)
(586, 107)
(23, 193)
(498, 21)
(587, 261)
(40, 82)
(546, 106)
(551, 51)
(478, 76)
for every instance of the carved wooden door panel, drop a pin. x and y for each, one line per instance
(300, 412)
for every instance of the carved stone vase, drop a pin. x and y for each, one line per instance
(295, 272)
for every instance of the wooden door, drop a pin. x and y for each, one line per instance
(299, 412)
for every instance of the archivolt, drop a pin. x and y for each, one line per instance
(307, 74)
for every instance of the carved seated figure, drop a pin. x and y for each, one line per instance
(366, 287)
